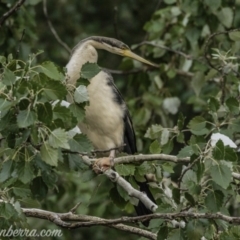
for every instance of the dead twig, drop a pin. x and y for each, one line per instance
(6, 15)
(54, 32)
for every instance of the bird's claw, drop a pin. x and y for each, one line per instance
(102, 164)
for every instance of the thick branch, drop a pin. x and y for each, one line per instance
(132, 192)
(60, 219)
(6, 15)
(77, 221)
(150, 157)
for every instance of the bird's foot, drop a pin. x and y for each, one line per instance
(103, 164)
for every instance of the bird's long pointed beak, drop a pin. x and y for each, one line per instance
(128, 53)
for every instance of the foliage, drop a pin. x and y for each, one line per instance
(176, 109)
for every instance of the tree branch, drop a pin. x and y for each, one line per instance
(132, 192)
(135, 71)
(6, 15)
(165, 48)
(207, 43)
(61, 220)
(72, 221)
(150, 157)
(54, 32)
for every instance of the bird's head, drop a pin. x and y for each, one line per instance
(117, 47)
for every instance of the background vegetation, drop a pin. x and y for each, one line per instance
(175, 110)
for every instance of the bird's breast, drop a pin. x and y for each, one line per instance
(104, 116)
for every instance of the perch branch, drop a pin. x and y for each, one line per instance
(132, 192)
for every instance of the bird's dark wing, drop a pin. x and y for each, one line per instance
(130, 147)
(129, 134)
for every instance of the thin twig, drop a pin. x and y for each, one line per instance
(207, 43)
(165, 48)
(135, 71)
(20, 41)
(185, 171)
(6, 15)
(108, 150)
(54, 32)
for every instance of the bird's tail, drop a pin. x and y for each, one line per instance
(140, 208)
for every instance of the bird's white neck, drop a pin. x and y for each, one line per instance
(82, 54)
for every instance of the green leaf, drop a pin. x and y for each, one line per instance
(144, 168)
(180, 122)
(2, 60)
(75, 162)
(176, 195)
(61, 112)
(7, 210)
(117, 199)
(177, 234)
(80, 143)
(213, 104)
(77, 111)
(51, 70)
(38, 188)
(221, 152)
(180, 137)
(218, 151)
(89, 70)
(168, 147)
(195, 230)
(200, 170)
(169, 1)
(213, 4)
(25, 173)
(155, 147)
(198, 82)
(5, 105)
(163, 233)
(235, 36)
(225, 16)
(59, 139)
(9, 77)
(22, 192)
(26, 118)
(49, 154)
(87, 176)
(54, 90)
(45, 113)
(233, 105)
(81, 94)
(164, 136)
(6, 170)
(198, 126)
(214, 201)
(50, 178)
(230, 154)
(125, 169)
(154, 131)
(186, 152)
(221, 174)
(190, 198)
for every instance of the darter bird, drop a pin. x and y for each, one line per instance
(107, 120)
